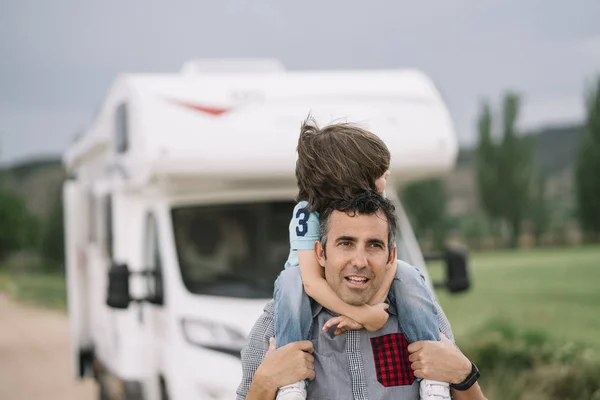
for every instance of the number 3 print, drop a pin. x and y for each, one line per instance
(302, 227)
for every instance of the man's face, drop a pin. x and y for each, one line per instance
(356, 257)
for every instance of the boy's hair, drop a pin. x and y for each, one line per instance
(336, 162)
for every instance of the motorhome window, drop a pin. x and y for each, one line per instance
(234, 250)
(92, 226)
(108, 226)
(122, 128)
(154, 260)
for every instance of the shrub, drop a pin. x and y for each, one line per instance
(525, 364)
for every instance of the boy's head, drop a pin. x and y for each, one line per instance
(337, 162)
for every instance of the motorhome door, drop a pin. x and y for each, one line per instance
(153, 315)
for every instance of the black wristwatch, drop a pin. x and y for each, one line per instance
(469, 381)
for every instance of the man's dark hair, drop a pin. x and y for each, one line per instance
(336, 162)
(366, 202)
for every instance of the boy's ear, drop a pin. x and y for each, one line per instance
(320, 253)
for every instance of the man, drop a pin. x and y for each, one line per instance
(356, 248)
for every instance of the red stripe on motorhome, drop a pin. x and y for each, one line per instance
(216, 111)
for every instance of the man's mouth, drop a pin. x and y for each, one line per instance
(357, 281)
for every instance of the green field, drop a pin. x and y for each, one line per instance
(556, 291)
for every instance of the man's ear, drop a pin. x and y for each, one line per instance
(320, 253)
(393, 256)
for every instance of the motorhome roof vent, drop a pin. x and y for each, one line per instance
(212, 66)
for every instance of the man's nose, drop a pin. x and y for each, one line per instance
(359, 259)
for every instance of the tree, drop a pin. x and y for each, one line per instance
(504, 168)
(539, 212)
(587, 166)
(17, 226)
(53, 244)
(475, 228)
(516, 170)
(426, 205)
(486, 161)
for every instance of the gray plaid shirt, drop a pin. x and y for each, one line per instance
(350, 371)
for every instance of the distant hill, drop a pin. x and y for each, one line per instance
(555, 152)
(555, 148)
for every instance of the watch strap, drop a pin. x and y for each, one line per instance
(469, 380)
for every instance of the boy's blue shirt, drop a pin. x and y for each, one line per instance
(304, 232)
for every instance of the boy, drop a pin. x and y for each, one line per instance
(335, 163)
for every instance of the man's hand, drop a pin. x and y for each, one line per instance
(439, 361)
(288, 364)
(343, 324)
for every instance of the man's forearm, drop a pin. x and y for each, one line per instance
(261, 389)
(473, 393)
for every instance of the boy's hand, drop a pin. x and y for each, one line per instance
(373, 318)
(343, 324)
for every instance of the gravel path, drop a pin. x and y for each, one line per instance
(35, 357)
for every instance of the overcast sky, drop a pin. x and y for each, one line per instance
(58, 57)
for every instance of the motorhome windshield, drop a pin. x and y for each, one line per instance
(233, 250)
(236, 250)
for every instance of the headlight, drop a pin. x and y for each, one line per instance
(213, 336)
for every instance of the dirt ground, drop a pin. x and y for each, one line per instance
(34, 356)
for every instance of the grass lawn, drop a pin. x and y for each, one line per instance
(556, 291)
(46, 290)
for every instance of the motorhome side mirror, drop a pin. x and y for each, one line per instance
(456, 270)
(118, 287)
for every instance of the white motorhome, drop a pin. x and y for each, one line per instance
(178, 204)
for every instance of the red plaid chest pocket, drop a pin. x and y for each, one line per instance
(390, 353)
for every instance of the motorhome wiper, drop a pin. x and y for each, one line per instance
(236, 285)
(228, 277)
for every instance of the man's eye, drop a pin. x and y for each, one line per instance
(344, 244)
(377, 245)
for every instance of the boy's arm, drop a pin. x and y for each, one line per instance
(372, 317)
